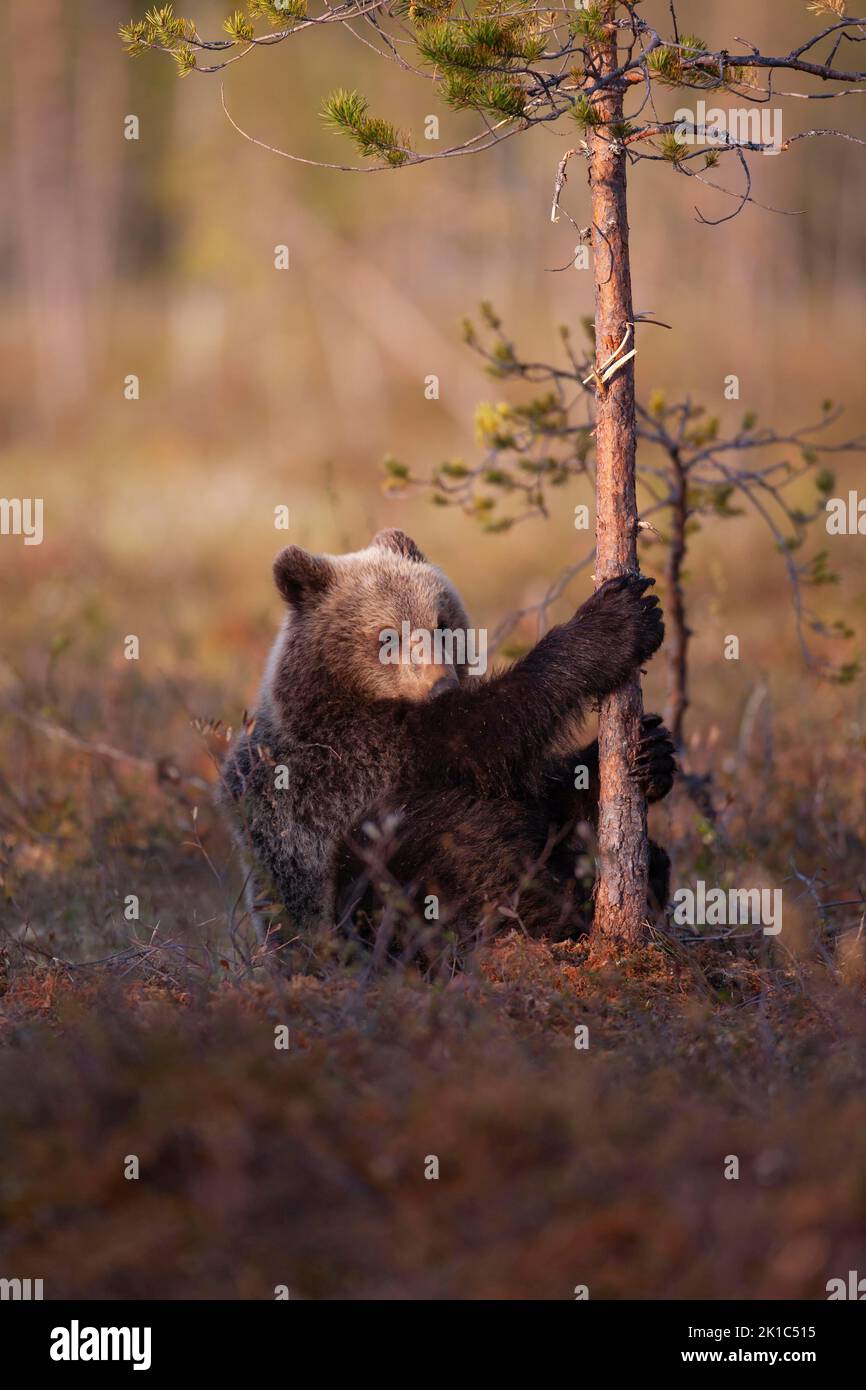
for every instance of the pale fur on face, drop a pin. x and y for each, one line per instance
(340, 607)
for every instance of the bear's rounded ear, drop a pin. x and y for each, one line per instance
(300, 576)
(399, 541)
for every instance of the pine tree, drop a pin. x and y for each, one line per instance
(519, 65)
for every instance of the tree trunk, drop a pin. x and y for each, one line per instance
(43, 209)
(621, 891)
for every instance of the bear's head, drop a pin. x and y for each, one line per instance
(381, 623)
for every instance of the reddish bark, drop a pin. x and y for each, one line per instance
(621, 892)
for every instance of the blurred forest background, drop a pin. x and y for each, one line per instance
(260, 387)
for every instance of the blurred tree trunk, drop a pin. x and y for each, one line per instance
(44, 206)
(676, 628)
(621, 891)
(100, 150)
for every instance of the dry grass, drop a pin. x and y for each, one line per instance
(558, 1167)
(305, 1167)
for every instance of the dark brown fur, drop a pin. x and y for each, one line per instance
(396, 795)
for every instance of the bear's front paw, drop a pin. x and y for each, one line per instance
(654, 766)
(630, 617)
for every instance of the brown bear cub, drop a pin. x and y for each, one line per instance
(411, 802)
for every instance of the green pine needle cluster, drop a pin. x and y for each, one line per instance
(668, 63)
(421, 11)
(819, 572)
(374, 137)
(673, 149)
(184, 57)
(499, 96)
(277, 11)
(585, 112)
(480, 42)
(491, 425)
(589, 23)
(703, 432)
(160, 28)
(474, 57)
(238, 27)
(825, 482)
(397, 478)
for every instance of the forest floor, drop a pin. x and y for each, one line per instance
(608, 1167)
(708, 1142)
